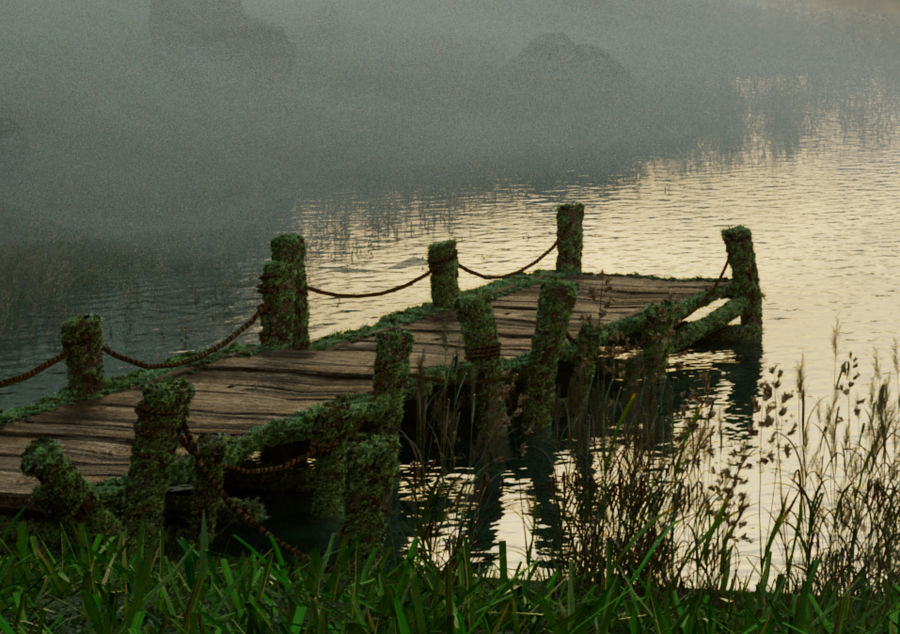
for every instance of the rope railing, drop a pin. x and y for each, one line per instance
(200, 355)
(19, 378)
(485, 276)
(372, 294)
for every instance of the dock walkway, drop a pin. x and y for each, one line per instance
(238, 393)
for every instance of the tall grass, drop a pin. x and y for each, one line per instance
(635, 531)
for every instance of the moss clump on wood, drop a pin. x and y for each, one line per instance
(290, 248)
(375, 465)
(63, 493)
(555, 305)
(482, 345)
(82, 339)
(392, 350)
(206, 499)
(444, 266)
(278, 289)
(161, 413)
(587, 349)
(569, 232)
(745, 279)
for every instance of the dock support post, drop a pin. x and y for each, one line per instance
(277, 313)
(161, 413)
(587, 347)
(63, 493)
(570, 235)
(206, 500)
(444, 266)
(745, 280)
(82, 339)
(290, 248)
(557, 299)
(374, 461)
(482, 343)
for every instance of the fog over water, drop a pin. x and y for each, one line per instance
(143, 181)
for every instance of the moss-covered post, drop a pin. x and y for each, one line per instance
(290, 248)
(330, 432)
(745, 279)
(392, 350)
(277, 287)
(482, 343)
(372, 461)
(373, 468)
(63, 493)
(82, 339)
(587, 347)
(444, 266)
(206, 499)
(555, 305)
(570, 235)
(161, 413)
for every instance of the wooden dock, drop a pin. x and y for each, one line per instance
(238, 393)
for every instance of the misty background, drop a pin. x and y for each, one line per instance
(152, 176)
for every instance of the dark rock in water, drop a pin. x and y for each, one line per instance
(13, 146)
(551, 66)
(219, 28)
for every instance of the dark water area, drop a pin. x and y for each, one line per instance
(152, 180)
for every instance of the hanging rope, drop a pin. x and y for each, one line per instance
(374, 294)
(200, 355)
(485, 276)
(34, 371)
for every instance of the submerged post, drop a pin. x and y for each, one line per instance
(557, 299)
(482, 345)
(161, 413)
(570, 235)
(290, 248)
(444, 266)
(82, 340)
(63, 493)
(745, 279)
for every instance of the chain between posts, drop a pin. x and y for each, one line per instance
(34, 371)
(200, 355)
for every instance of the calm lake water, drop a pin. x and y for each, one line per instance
(823, 210)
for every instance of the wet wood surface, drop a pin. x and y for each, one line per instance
(238, 393)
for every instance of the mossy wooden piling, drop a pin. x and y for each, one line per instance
(745, 280)
(482, 348)
(444, 266)
(161, 414)
(569, 233)
(82, 341)
(555, 305)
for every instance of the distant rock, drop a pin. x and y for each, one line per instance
(552, 66)
(218, 27)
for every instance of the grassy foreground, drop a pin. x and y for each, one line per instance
(638, 534)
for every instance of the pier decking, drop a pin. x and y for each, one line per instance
(237, 393)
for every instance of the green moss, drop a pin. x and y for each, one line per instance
(64, 494)
(392, 350)
(375, 465)
(555, 305)
(587, 348)
(444, 266)
(82, 339)
(745, 278)
(277, 317)
(290, 248)
(161, 414)
(479, 331)
(689, 333)
(569, 219)
(206, 500)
